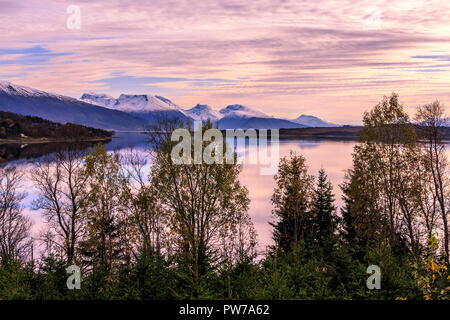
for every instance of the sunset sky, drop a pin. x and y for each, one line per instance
(332, 59)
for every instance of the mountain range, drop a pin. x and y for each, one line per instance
(132, 112)
(230, 117)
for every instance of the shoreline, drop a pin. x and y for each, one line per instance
(50, 140)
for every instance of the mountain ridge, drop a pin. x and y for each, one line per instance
(231, 116)
(63, 109)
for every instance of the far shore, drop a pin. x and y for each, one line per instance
(350, 133)
(50, 140)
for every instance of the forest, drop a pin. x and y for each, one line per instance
(182, 231)
(13, 125)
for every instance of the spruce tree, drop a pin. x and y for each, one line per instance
(324, 213)
(347, 228)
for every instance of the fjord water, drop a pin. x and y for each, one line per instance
(332, 155)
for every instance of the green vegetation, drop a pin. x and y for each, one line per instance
(17, 126)
(183, 231)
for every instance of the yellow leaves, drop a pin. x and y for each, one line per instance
(433, 266)
(431, 273)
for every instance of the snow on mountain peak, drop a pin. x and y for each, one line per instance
(17, 90)
(203, 112)
(201, 107)
(234, 107)
(165, 100)
(312, 121)
(13, 89)
(131, 102)
(99, 99)
(238, 110)
(92, 94)
(4, 84)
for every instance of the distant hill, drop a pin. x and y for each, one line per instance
(256, 123)
(312, 121)
(13, 126)
(341, 133)
(239, 116)
(62, 109)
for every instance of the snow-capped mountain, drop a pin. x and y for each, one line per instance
(239, 116)
(63, 109)
(203, 112)
(102, 100)
(143, 103)
(131, 102)
(9, 88)
(144, 106)
(312, 121)
(135, 111)
(237, 110)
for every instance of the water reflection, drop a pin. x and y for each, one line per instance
(125, 140)
(15, 151)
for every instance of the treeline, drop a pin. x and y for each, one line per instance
(15, 126)
(345, 132)
(182, 231)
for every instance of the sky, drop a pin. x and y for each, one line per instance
(331, 59)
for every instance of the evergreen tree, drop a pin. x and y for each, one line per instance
(324, 213)
(347, 229)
